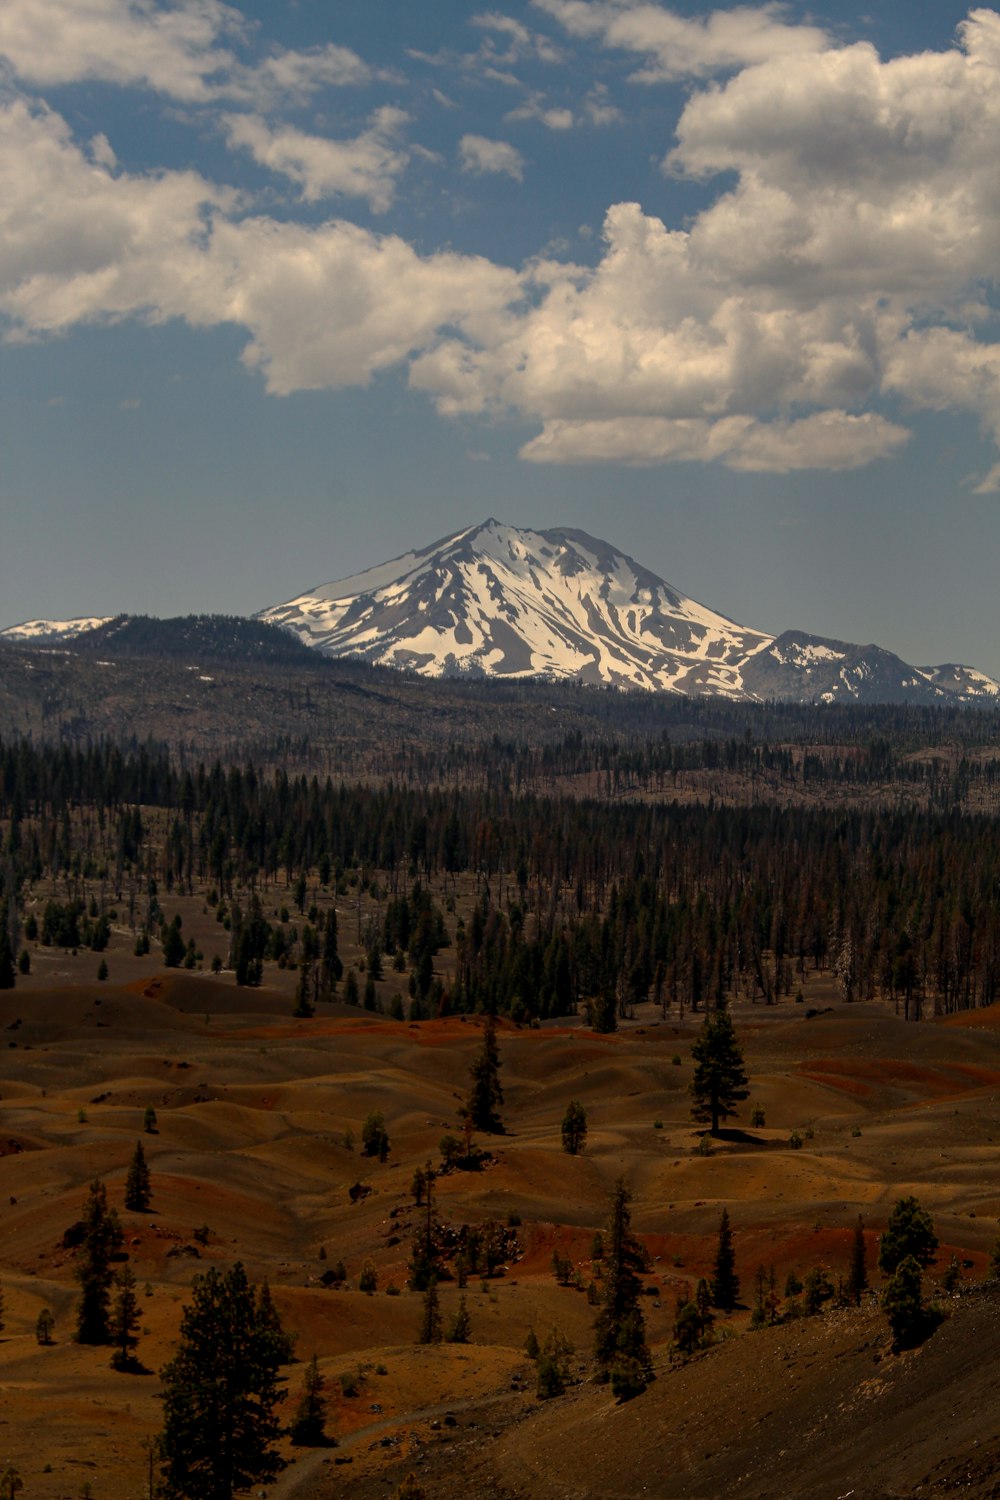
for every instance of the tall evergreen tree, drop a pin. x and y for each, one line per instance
(424, 1257)
(486, 1093)
(725, 1284)
(8, 977)
(102, 1239)
(857, 1271)
(909, 1232)
(574, 1128)
(124, 1320)
(308, 1429)
(620, 1329)
(430, 1315)
(720, 1080)
(903, 1303)
(221, 1393)
(331, 968)
(137, 1182)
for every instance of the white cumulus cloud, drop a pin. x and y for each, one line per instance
(366, 166)
(677, 46)
(480, 155)
(188, 50)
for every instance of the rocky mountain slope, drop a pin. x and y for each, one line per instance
(501, 601)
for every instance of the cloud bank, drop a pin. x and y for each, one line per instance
(839, 278)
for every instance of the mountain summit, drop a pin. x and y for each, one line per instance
(504, 601)
(500, 601)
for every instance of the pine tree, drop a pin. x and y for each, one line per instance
(857, 1273)
(374, 1136)
(8, 978)
(486, 1094)
(331, 967)
(902, 1302)
(44, 1325)
(102, 1238)
(137, 1183)
(909, 1232)
(430, 1316)
(304, 1007)
(269, 1320)
(124, 1320)
(423, 1265)
(719, 1079)
(461, 1325)
(308, 1429)
(574, 1128)
(619, 1329)
(725, 1284)
(220, 1424)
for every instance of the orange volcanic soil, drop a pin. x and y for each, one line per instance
(258, 1146)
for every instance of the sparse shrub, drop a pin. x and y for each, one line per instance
(149, 1120)
(817, 1288)
(952, 1275)
(856, 1132)
(531, 1347)
(795, 1141)
(461, 1326)
(451, 1149)
(368, 1280)
(676, 1060)
(657, 1124)
(44, 1325)
(409, 1490)
(562, 1267)
(349, 1384)
(553, 1366)
(757, 1117)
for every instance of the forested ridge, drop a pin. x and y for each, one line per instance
(579, 901)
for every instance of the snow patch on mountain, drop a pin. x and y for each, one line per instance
(53, 630)
(502, 601)
(496, 600)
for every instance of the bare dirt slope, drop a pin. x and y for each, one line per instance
(255, 1114)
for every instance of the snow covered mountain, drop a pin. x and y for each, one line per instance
(500, 601)
(52, 631)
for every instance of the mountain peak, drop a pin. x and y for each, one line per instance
(495, 600)
(508, 601)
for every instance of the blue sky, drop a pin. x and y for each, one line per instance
(287, 288)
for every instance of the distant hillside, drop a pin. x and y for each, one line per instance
(198, 637)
